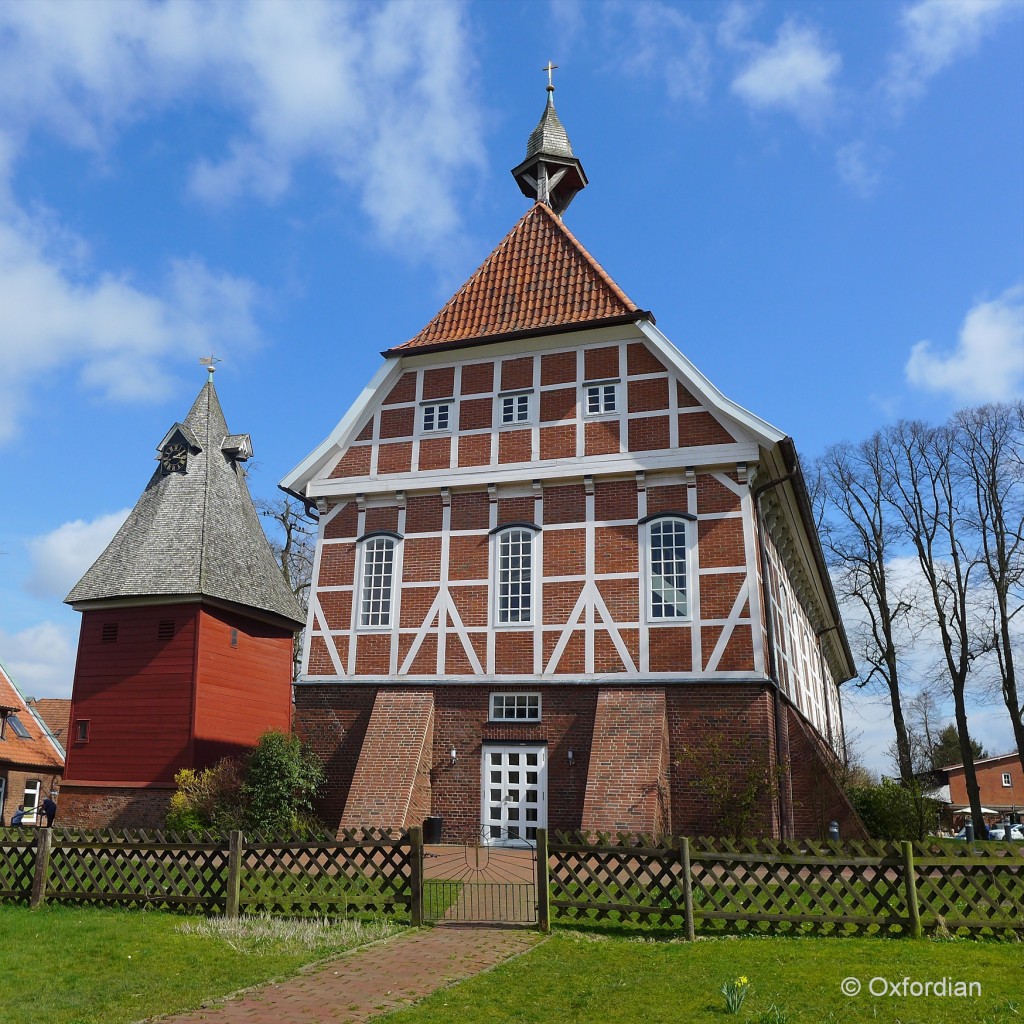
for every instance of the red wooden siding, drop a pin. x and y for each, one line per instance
(136, 693)
(242, 690)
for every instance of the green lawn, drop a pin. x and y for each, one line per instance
(608, 980)
(64, 965)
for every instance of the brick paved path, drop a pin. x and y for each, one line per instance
(372, 980)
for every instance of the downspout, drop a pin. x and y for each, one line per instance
(781, 738)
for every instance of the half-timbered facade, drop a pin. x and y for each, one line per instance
(561, 580)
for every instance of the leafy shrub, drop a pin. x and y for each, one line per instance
(208, 799)
(282, 780)
(271, 790)
(894, 811)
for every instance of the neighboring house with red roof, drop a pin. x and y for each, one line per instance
(31, 757)
(55, 712)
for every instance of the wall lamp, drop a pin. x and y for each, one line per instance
(571, 757)
(454, 756)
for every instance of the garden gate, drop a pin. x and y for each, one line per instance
(489, 881)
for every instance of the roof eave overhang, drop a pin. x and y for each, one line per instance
(152, 600)
(791, 463)
(531, 332)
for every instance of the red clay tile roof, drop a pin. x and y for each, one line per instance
(55, 712)
(37, 751)
(538, 277)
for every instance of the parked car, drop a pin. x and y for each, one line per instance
(997, 831)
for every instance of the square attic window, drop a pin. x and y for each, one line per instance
(515, 408)
(436, 416)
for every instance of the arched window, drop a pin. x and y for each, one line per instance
(513, 575)
(667, 567)
(377, 580)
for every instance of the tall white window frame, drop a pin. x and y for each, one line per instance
(1007, 779)
(515, 409)
(31, 800)
(378, 580)
(668, 576)
(514, 574)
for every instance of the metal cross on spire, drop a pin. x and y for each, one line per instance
(210, 362)
(551, 67)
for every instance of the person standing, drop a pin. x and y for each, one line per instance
(50, 810)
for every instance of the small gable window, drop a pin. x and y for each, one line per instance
(513, 560)
(515, 408)
(1007, 781)
(377, 580)
(667, 567)
(437, 416)
(601, 398)
(82, 730)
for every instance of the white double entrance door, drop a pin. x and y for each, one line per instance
(514, 793)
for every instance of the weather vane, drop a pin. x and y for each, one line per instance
(551, 67)
(210, 362)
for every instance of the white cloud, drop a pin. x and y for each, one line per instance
(61, 557)
(658, 41)
(795, 75)
(117, 336)
(935, 34)
(987, 363)
(377, 94)
(41, 659)
(859, 167)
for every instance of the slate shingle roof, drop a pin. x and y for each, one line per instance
(193, 534)
(38, 751)
(549, 136)
(539, 277)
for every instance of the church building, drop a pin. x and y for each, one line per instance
(185, 651)
(561, 580)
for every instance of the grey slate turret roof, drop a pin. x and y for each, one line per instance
(549, 137)
(194, 534)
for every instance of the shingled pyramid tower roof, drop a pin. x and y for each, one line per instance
(194, 534)
(538, 279)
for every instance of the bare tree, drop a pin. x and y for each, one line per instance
(293, 539)
(989, 448)
(921, 487)
(859, 539)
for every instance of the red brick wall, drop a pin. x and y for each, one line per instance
(817, 798)
(14, 788)
(990, 782)
(627, 788)
(93, 807)
(387, 786)
(636, 762)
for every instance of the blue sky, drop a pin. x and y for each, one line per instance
(822, 203)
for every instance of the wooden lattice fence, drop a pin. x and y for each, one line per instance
(827, 888)
(361, 871)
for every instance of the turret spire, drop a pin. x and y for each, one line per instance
(550, 174)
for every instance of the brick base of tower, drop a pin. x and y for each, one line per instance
(95, 807)
(645, 758)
